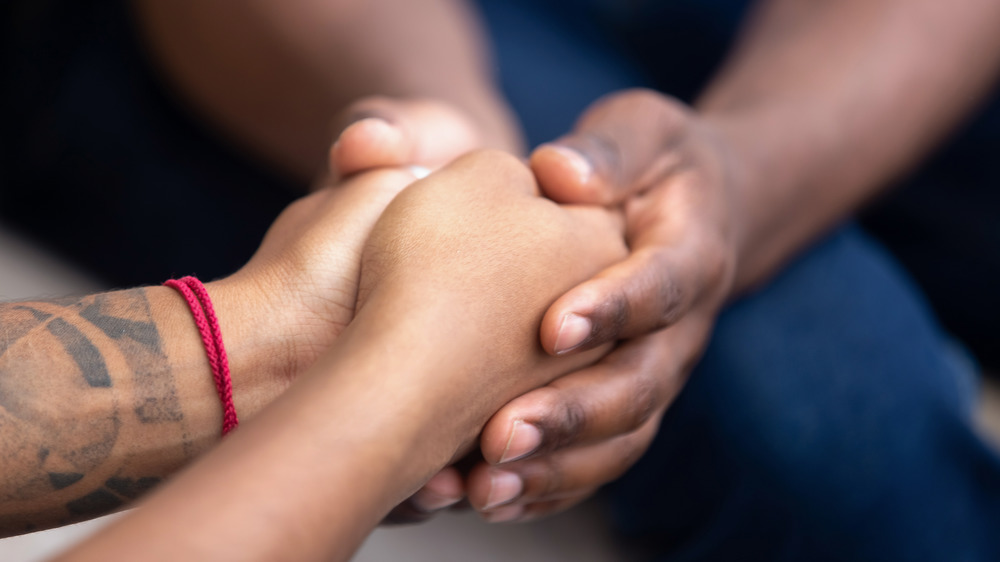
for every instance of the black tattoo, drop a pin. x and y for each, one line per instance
(43, 454)
(95, 503)
(132, 488)
(62, 480)
(83, 351)
(116, 492)
(64, 302)
(38, 314)
(117, 328)
(140, 342)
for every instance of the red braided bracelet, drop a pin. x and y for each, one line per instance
(211, 335)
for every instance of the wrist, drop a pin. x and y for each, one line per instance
(259, 350)
(758, 175)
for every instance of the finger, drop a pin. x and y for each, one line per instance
(349, 210)
(620, 145)
(517, 513)
(564, 474)
(649, 290)
(352, 207)
(612, 398)
(444, 489)
(379, 131)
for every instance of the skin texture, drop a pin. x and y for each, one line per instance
(778, 150)
(454, 281)
(102, 397)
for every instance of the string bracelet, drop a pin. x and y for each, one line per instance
(200, 304)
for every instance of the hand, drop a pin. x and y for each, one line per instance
(466, 259)
(308, 265)
(381, 131)
(554, 446)
(456, 275)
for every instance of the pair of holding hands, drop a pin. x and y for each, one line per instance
(646, 221)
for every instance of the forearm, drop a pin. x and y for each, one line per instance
(316, 471)
(275, 74)
(440, 341)
(824, 103)
(105, 395)
(391, 403)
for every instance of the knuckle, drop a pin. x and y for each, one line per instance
(573, 419)
(563, 420)
(499, 163)
(612, 316)
(494, 157)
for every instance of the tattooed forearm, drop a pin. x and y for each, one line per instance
(128, 321)
(75, 377)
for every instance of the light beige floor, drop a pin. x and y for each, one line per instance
(581, 535)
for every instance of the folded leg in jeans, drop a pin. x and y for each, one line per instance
(827, 421)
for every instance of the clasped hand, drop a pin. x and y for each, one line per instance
(670, 173)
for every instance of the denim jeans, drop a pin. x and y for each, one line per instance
(830, 418)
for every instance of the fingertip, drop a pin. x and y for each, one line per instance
(574, 331)
(369, 143)
(525, 438)
(443, 490)
(603, 301)
(564, 174)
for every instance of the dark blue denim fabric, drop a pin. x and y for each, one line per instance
(827, 421)
(830, 418)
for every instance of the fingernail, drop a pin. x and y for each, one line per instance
(504, 488)
(524, 440)
(428, 500)
(576, 161)
(505, 514)
(573, 332)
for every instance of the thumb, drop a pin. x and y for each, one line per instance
(620, 145)
(379, 132)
